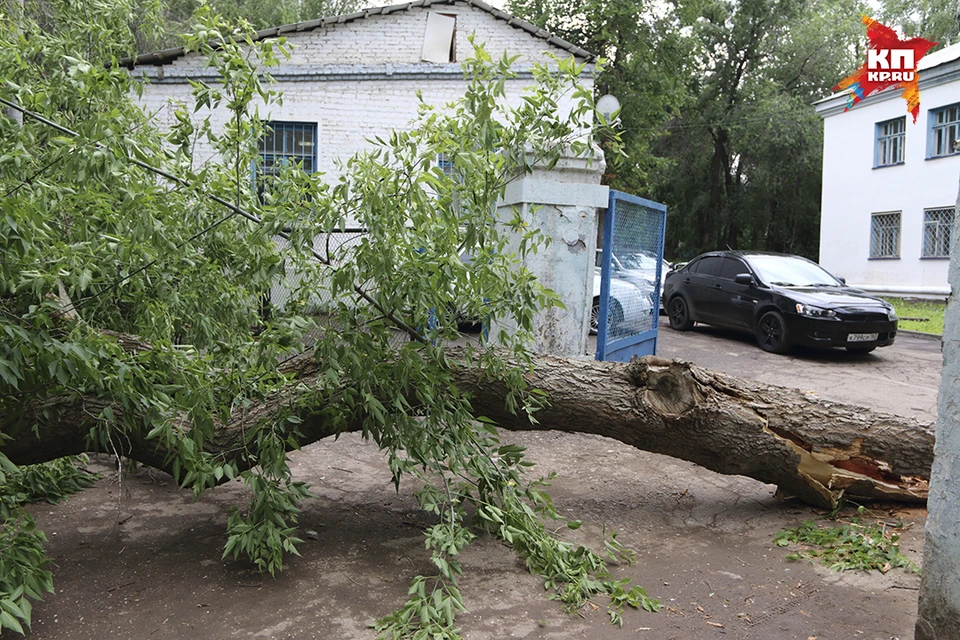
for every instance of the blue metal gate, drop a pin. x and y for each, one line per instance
(630, 274)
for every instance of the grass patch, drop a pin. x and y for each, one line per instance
(925, 316)
(866, 546)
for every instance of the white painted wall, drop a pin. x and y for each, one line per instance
(853, 189)
(360, 79)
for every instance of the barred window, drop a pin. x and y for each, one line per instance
(937, 227)
(944, 129)
(885, 235)
(286, 143)
(890, 139)
(445, 164)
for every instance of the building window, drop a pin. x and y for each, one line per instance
(445, 164)
(944, 129)
(890, 138)
(885, 235)
(288, 143)
(937, 228)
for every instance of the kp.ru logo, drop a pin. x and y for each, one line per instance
(891, 62)
(891, 65)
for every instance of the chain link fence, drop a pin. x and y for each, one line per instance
(317, 300)
(627, 312)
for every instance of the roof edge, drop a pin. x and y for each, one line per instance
(167, 56)
(942, 73)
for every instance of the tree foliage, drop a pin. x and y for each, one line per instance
(747, 149)
(936, 20)
(717, 109)
(647, 62)
(151, 25)
(108, 227)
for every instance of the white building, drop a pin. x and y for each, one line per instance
(356, 76)
(890, 185)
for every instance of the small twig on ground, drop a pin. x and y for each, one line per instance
(900, 586)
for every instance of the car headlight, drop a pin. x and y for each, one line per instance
(815, 312)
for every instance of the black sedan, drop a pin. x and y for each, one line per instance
(783, 300)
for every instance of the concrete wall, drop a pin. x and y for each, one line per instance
(853, 189)
(563, 203)
(939, 609)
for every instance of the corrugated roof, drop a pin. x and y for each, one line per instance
(169, 55)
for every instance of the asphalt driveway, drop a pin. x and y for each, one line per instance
(902, 379)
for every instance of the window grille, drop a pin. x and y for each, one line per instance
(944, 129)
(885, 235)
(446, 165)
(890, 140)
(287, 143)
(937, 229)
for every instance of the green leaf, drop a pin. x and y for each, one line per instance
(9, 622)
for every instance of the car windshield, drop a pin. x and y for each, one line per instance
(789, 271)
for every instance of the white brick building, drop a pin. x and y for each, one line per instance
(355, 76)
(890, 185)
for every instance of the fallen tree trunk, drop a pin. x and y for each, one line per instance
(812, 449)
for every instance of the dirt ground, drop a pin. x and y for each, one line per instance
(136, 558)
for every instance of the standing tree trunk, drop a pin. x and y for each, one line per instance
(938, 616)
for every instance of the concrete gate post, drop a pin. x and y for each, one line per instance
(563, 202)
(939, 611)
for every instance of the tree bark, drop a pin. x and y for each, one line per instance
(815, 450)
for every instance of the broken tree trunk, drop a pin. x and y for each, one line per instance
(812, 449)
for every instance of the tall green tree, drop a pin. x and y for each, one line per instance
(647, 63)
(936, 20)
(746, 152)
(716, 117)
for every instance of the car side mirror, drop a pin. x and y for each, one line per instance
(842, 280)
(743, 278)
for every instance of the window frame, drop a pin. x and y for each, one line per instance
(703, 261)
(940, 226)
(897, 238)
(883, 138)
(283, 125)
(933, 127)
(731, 260)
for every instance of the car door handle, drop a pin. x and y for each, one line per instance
(719, 287)
(687, 281)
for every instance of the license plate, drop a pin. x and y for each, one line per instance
(862, 337)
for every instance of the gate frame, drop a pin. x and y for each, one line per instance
(645, 342)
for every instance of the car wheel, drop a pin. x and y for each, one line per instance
(679, 314)
(772, 333)
(616, 317)
(861, 349)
